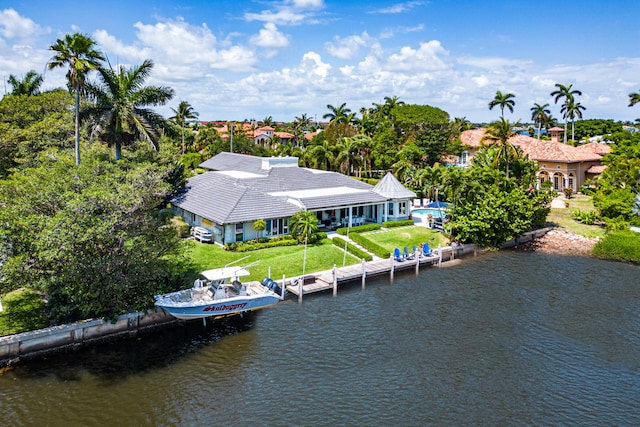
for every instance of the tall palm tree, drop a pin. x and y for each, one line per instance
(572, 110)
(184, 112)
(120, 106)
(568, 94)
(29, 85)
(348, 157)
(539, 115)
(322, 155)
(498, 134)
(338, 114)
(503, 100)
(634, 98)
(77, 52)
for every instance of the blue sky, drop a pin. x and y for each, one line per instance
(253, 59)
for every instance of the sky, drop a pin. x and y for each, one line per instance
(236, 60)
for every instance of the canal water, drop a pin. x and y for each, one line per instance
(508, 338)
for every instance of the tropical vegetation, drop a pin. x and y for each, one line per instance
(96, 238)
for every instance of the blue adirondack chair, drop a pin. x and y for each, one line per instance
(397, 255)
(426, 250)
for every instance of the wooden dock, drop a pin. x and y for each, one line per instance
(331, 279)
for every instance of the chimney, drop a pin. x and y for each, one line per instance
(555, 134)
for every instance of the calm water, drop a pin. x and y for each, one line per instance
(508, 338)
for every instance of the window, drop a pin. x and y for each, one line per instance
(390, 209)
(239, 232)
(403, 208)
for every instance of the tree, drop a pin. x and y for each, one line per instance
(120, 106)
(568, 94)
(338, 114)
(539, 115)
(634, 98)
(499, 133)
(572, 110)
(184, 112)
(259, 225)
(303, 225)
(77, 52)
(322, 155)
(90, 237)
(503, 100)
(29, 85)
(348, 157)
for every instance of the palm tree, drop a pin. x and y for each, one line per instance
(572, 110)
(120, 106)
(634, 98)
(568, 94)
(268, 121)
(76, 51)
(503, 100)
(348, 157)
(29, 85)
(498, 133)
(303, 225)
(322, 155)
(185, 111)
(539, 115)
(338, 114)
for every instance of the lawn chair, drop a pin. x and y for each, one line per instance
(406, 254)
(397, 256)
(426, 250)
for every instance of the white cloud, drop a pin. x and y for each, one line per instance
(427, 57)
(480, 81)
(270, 37)
(14, 26)
(347, 47)
(290, 12)
(399, 7)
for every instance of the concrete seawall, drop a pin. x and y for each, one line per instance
(35, 344)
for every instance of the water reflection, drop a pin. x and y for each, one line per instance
(149, 351)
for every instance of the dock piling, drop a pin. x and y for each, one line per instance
(364, 272)
(335, 280)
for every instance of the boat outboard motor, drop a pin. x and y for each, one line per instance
(272, 285)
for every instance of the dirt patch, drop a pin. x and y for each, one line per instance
(561, 242)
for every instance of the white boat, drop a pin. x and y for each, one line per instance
(220, 293)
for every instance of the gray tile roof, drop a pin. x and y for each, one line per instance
(392, 189)
(240, 190)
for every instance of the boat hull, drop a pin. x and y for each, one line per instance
(219, 308)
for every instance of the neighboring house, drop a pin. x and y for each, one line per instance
(238, 189)
(562, 164)
(265, 136)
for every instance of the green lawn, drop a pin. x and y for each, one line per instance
(287, 260)
(562, 218)
(399, 237)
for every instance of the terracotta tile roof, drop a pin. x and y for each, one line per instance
(596, 148)
(536, 149)
(596, 169)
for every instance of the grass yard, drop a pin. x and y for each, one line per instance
(400, 237)
(562, 218)
(287, 260)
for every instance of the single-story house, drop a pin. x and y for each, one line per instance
(562, 164)
(238, 189)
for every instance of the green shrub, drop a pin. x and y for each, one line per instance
(181, 227)
(357, 252)
(372, 247)
(358, 229)
(616, 224)
(261, 243)
(620, 245)
(24, 310)
(585, 217)
(568, 192)
(390, 224)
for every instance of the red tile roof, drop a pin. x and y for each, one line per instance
(536, 149)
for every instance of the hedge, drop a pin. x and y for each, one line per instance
(358, 229)
(369, 245)
(354, 250)
(391, 224)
